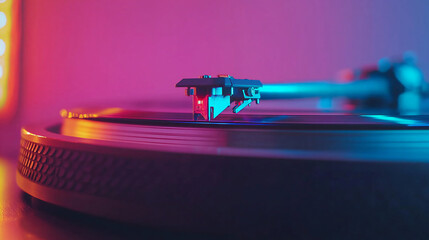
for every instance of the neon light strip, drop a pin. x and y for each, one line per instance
(9, 42)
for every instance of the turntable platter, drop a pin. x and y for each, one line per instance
(161, 169)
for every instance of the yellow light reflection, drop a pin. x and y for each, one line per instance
(3, 184)
(25, 132)
(9, 201)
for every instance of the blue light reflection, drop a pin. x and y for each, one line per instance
(398, 120)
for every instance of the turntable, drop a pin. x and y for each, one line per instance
(258, 171)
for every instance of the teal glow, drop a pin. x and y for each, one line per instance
(409, 75)
(403, 121)
(279, 88)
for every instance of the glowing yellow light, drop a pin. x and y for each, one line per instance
(68, 114)
(63, 113)
(9, 57)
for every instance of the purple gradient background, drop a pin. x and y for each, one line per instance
(83, 51)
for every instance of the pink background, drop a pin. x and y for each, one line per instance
(78, 52)
(87, 51)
